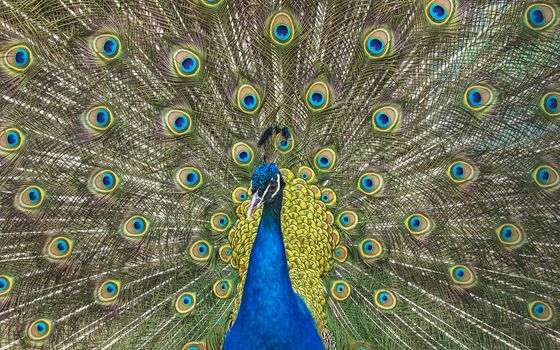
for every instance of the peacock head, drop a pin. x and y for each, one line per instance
(266, 184)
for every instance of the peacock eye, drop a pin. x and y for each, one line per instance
(18, 58)
(549, 104)
(418, 224)
(510, 235)
(200, 250)
(135, 227)
(6, 285)
(377, 43)
(479, 97)
(540, 16)
(370, 183)
(547, 177)
(239, 195)
(59, 248)
(317, 96)
(104, 181)
(189, 178)
(107, 47)
(439, 11)
(281, 28)
(177, 122)
(340, 290)
(385, 119)
(461, 172)
(186, 62)
(211, 3)
(306, 173)
(328, 196)
(220, 222)
(185, 302)
(462, 275)
(225, 253)
(30, 197)
(11, 140)
(370, 248)
(194, 345)
(347, 220)
(108, 291)
(39, 329)
(222, 289)
(541, 311)
(242, 154)
(385, 299)
(325, 159)
(248, 99)
(284, 145)
(340, 253)
(99, 118)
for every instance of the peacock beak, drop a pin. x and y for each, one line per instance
(256, 201)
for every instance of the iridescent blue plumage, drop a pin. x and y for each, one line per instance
(271, 315)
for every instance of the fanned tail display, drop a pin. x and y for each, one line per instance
(368, 174)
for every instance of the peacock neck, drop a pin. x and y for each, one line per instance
(267, 284)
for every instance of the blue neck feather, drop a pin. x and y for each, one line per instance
(271, 315)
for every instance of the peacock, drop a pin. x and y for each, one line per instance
(279, 174)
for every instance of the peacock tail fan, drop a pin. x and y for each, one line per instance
(421, 161)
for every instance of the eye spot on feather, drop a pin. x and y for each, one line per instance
(547, 178)
(39, 329)
(108, 291)
(462, 275)
(107, 47)
(239, 195)
(220, 222)
(193, 345)
(222, 289)
(340, 253)
(18, 58)
(439, 11)
(248, 99)
(541, 311)
(306, 173)
(479, 97)
(540, 16)
(225, 253)
(284, 145)
(189, 178)
(377, 43)
(242, 154)
(11, 140)
(135, 227)
(370, 183)
(185, 303)
(385, 299)
(200, 250)
(186, 63)
(549, 104)
(104, 181)
(325, 159)
(281, 28)
(340, 290)
(328, 196)
(418, 224)
(370, 248)
(510, 235)
(30, 197)
(317, 96)
(6, 285)
(461, 172)
(99, 119)
(59, 248)
(347, 220)
(385, 119)
(211, 3)
(177, 122)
